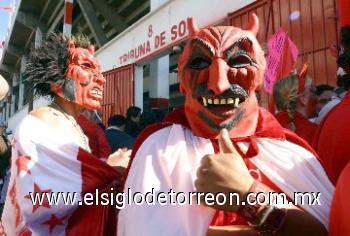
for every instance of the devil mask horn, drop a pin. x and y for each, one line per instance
(192, 27)
(253, 24)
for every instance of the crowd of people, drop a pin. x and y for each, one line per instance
(220, 141)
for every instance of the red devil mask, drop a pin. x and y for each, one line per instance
(84, 83)
(220, 70)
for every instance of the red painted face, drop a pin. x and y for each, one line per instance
(84, 84)
(220, 70)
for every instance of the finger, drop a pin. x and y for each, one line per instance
(116, 153)
(205, 162)
(198, 172)
(125, 158)
(128, 153)
(198, 185)
(201, 172)
(225, 144)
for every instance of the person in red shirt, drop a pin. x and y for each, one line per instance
(296, 103)
(332, 139)
(333, 135)
(97, 139)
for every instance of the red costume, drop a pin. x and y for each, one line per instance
(49, 160)
(219, 71)
(333, 138)
(304, 128)
(97, 139)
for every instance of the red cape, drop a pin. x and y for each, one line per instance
(332, 140)
(304, 128)
(340, 210)
(94, 219)
(97, 139)
(268, 127)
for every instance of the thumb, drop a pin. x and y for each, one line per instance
(225, 143)
(128, 153)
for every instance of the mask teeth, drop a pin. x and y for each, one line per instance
(236, 102)
(204, 101)
(221, 101)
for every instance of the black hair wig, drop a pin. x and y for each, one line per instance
(48, 63)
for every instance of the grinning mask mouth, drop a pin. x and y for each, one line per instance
(224, 103)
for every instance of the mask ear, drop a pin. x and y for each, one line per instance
(253, 24)
(91, 49)
(192, 27)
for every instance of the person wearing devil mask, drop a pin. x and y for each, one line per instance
(51, 154)
(221, 143)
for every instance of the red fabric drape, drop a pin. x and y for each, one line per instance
(344, 9)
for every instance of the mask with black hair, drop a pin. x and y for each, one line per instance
(67, 68)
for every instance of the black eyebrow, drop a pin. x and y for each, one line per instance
(203, 44)
(243, 44)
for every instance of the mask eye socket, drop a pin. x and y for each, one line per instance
(239, 61)
(199, 63)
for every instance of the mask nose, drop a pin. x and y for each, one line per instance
(218, 81)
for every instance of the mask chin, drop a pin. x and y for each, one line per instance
(208, 125)
(91, 106)
(87, 102)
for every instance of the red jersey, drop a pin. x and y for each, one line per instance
(332, 140)
(340, 210)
